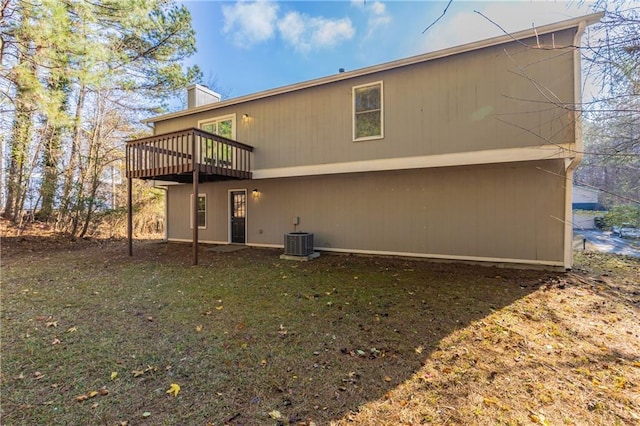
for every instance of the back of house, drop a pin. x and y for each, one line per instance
(462, 154)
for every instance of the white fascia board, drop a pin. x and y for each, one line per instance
(507, 155)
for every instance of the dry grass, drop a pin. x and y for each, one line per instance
(255, 340)
(569, 353)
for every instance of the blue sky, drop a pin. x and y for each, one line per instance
(246, 47)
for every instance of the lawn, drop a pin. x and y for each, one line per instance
(91, 336)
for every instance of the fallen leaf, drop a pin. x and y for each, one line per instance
(114, 374)
(199, 328)
(94, 405)
(174, 389)
(263, 363)
(137, 373)
(387, 378)
(146, 414)
(72, 330)
(275, 415)
(56, 342)
(539, 419)
(150, 318)
(52, 324)
(81, 398)
(419, 349)
(219, 308)
(103, 391)
(93, 393)
(490, 401)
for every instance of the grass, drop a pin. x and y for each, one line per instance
(251, 339)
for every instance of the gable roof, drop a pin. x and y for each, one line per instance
(533, 32)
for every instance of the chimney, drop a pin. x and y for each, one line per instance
(198, 95)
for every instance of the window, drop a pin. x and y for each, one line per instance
(202, 212)
(216, 153)
(368, 112)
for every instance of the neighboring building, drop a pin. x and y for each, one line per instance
(462, 154)
(586, 207)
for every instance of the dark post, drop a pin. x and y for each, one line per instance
(195, 160)
(130, 215)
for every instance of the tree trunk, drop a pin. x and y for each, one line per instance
(21, 133)
(52, 150)
(71, 167)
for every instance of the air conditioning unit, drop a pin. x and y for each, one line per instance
(298, 244)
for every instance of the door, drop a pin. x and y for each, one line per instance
(238, 204)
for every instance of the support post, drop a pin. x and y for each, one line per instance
(130, 215)
(195, 215)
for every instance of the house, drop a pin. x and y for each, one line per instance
(462, 154)
(586, 207)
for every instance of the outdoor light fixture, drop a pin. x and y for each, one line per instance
(245, 116)
(255, 194)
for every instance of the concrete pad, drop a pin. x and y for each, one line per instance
(306, 258)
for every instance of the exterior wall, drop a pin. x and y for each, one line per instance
(504, 96)
(507, 212)
(584, 195)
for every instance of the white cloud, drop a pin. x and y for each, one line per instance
(328, 32)
(307, 33)
(378, 16)
(250, 23)
(378, 8)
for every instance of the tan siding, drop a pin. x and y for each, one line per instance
(511, 211)
(497, 97)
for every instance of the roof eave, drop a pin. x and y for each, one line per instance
(476, 45)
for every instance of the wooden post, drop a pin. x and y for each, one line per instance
(195, 163)
(130, 215)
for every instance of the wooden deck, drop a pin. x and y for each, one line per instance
(176, 156)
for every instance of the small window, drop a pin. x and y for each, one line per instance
(202, 212)
(368, 112)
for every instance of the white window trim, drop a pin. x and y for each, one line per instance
(232, 117)
(191, 211)
(353, 111)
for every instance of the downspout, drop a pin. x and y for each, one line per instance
(578, 150)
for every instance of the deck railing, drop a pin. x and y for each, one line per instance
(182, 152)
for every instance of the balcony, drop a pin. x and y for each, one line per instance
(181, 155)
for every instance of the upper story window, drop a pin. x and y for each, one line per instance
(223, 126)
(215, 153)
(368, 112)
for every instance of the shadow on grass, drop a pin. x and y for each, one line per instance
(251, 339)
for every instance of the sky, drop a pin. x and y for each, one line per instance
(245, 47)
